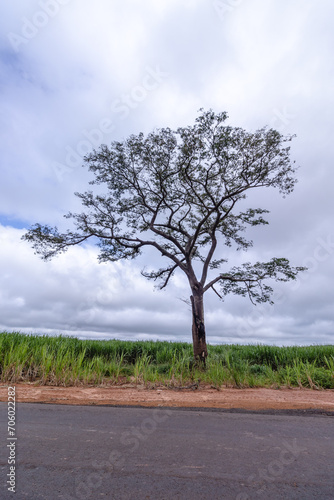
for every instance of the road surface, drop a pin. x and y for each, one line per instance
(86, 452)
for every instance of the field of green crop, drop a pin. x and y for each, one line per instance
(69, 361)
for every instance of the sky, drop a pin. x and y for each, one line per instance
(75, 74)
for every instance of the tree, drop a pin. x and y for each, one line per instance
(178, 191)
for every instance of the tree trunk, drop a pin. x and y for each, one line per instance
(198, 329)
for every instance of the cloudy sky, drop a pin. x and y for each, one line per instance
(75, 74)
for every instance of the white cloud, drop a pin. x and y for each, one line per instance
(75, 295)
(74, 292)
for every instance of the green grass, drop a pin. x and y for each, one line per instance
(69, 361)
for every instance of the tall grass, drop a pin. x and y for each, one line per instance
(69, 361)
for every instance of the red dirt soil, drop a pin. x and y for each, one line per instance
(202, 397)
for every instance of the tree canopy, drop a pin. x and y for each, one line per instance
(179, 192)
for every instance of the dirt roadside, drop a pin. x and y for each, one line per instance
(202, 397)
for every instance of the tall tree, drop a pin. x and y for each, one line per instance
(179, 192)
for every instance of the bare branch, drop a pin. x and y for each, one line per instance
(213, 288)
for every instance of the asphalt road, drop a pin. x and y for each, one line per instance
(85, 452)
